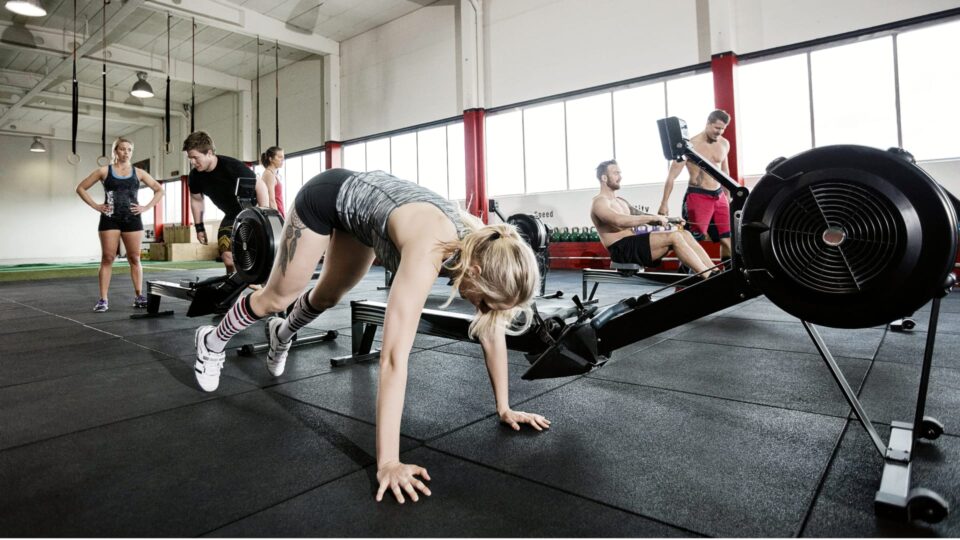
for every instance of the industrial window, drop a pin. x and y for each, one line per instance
(928, 87)
(589, 138)
(854, 98)
(431, 156)
(635, 114)
(544, 148)
(773, 111)
(505, 170)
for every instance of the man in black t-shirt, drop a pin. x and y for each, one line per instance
(216, 177)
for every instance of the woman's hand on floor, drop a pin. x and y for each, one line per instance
(399, 478)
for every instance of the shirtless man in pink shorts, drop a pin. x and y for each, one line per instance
(705, 199)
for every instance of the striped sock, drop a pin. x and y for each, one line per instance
(303, 313)
(240, 316)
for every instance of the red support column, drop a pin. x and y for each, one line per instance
(333, 155)
(185, 201)
(724, 66)
(473, 140)
(158, 221)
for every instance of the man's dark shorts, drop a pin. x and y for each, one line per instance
(225, 234)
(633, 250)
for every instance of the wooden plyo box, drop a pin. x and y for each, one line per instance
(191, 252)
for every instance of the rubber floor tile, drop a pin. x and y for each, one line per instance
(716, 467)
(181, 472)
(468, 500)
(790, 380)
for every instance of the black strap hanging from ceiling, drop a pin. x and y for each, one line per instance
(193, 74)
(259, 147)
(276, 58)
(167, 98)
(76, 91)
(103, 116)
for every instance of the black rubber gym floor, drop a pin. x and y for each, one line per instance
(727, 426)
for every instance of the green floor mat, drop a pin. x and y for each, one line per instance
(27, 272)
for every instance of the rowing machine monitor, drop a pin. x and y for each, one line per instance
(673, 137)
(246, 191)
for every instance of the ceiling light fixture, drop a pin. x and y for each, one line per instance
(141, 88)
(37, 146)
(27, 8)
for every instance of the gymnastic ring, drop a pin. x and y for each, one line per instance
(103, 161)
(73, 159)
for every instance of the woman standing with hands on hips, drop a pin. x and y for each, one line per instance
(120, 217)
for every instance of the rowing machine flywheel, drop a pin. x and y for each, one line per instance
(848, 236)
(535, 233)
(532, 230)
(256, 238)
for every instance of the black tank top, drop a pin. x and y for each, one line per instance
(123, 191)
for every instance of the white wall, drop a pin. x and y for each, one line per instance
(537, 48)
(220, 117)
(41, 217)
(301, 108)
(400, 74)
(765, 24)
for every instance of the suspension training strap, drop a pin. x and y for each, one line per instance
(193, 74)
(276, 57)
(167, 98)
(103, 122)
(258, 95)
(76, 87)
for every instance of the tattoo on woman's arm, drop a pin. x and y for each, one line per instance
(291, 234)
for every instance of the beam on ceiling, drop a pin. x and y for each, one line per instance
(241, 20)
(126, 9)
(65, 110)
(48, 94)
(53, 134)
(123, 57)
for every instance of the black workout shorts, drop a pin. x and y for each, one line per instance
(316, 203)
(225, 234)
(128, 223)
(633, 250)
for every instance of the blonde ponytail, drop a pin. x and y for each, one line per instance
(508, 274)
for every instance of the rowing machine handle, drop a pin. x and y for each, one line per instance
(492, 204)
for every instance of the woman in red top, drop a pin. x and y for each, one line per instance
(272, 160)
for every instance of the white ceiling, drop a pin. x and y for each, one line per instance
(36, 62)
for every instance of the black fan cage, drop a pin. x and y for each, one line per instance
(838, 237)
(247, 246)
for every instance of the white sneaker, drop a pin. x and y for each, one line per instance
(209, 363)
(277, 353)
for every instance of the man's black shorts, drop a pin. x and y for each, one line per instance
(225, 234)
(633, 250)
